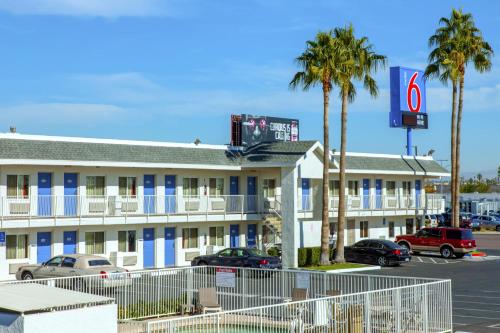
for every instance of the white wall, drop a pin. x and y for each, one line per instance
(95, 319)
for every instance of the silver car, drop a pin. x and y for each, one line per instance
(71, 265)
(489, 222)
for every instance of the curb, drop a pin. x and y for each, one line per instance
(351, 270)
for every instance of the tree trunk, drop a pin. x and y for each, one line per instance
(339, 258)
(325, 220)
(453, 152)
(457, 153)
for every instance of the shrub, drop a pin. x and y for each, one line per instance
(310, 256)
(273, 251)
(302, 256)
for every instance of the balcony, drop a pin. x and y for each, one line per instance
(357, 204)
(132, 209)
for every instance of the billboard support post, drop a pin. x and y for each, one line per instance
(409, 143)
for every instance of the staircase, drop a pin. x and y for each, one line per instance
(272, 220)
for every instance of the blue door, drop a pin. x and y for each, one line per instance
(235, 202)
(252, 235)
(378, 193)
(418, 192)
(44, 194)
(69, 242)
(306, 194)
(234, 235)
(43, 247)
(366, 193)
(149, 194)
(70, 194)
(169, 247)
(170, 202)
(149, 247)
(252, 194)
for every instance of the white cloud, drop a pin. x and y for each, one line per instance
(97, 8)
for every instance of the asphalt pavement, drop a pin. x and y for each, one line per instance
(475, 284)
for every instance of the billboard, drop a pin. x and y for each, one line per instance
(408, 98)
(258, 129)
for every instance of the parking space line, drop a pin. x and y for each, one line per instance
(420, 259)
(432, 260)
(464, 316)
(470, 302)
(472, 309)
(494, 326)
(477, 296)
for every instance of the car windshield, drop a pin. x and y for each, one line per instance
(257, 253)
(99, 262)
(460, 234)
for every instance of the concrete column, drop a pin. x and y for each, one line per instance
(290, 226)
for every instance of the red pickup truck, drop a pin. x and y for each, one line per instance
(447, 241)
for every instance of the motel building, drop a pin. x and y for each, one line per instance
(158, 204)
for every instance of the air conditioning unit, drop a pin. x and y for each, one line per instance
(355, 203)
(334, 203)
(97, 207)
(19, 208)
(218, 203)
(269, 203)
(192, 205)
(130, 207)
(392, 202)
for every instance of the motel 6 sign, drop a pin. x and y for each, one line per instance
(408, 98)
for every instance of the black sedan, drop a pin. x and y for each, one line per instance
(238, 257)
(377, 251)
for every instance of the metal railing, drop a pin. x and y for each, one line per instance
(418, 308)
(388, 202)
(81, 206)
(164, 292)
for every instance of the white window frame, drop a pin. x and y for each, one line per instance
(190, 190)
(94, 184)
(19, 186)
(130, 186)
(17, 255)
(196, 239)
(127, 241)
(94, 242)
(268, 190)
(216, 241)
(364, 229)
(353, 187)
(387, 182)
(216, 189)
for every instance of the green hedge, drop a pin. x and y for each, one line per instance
(310, 256)
(273, 251)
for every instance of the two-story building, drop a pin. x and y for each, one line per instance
(154, 204)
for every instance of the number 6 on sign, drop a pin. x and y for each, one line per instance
(409, 94)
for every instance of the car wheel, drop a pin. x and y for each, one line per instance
(382, 261)
(202, 263)
(446, 252)
(27, 276)
(405, 245)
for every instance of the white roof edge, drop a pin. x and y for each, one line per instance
(395, 156)
(107, 141)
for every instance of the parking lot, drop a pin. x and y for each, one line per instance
(476, 284)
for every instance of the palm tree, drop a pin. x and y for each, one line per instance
(459, 43)
(357, 61)
(318, 67)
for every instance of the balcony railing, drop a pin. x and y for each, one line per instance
(159, 205)
(42, 206)
(388, 202)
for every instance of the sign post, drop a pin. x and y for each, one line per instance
(408, 102)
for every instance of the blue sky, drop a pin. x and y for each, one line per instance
(175, 70)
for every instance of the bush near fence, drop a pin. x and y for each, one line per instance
(148, 309)
(310, 256)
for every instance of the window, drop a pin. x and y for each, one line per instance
(189, 238)
(225, 253)
(95, 185)
(409, 226)
(334, 188)
(190, 187)
(391, 229)
(268, 187)
(68, 262)
(18, 186)
(216, 187)
(435, 232)
(17, 246)
(363, 229)
(362, 243)
(216, 236)
(390, 188)
(94, 242)
(54, 262)
(126, 241)
(127, 186)
(98, 262)
(407, 188)
(353, 187)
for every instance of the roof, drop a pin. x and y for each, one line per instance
(373, 163)
(18, 149)
(276, 153)
(34, 297)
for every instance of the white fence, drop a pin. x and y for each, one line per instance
(266, 296)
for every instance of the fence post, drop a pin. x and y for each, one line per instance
(426, 309)
(261, 320)
(398, 309)
(367, 312)
(244, 287)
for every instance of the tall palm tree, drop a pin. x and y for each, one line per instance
(356, 61)
(459, 43)
(318, 67)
